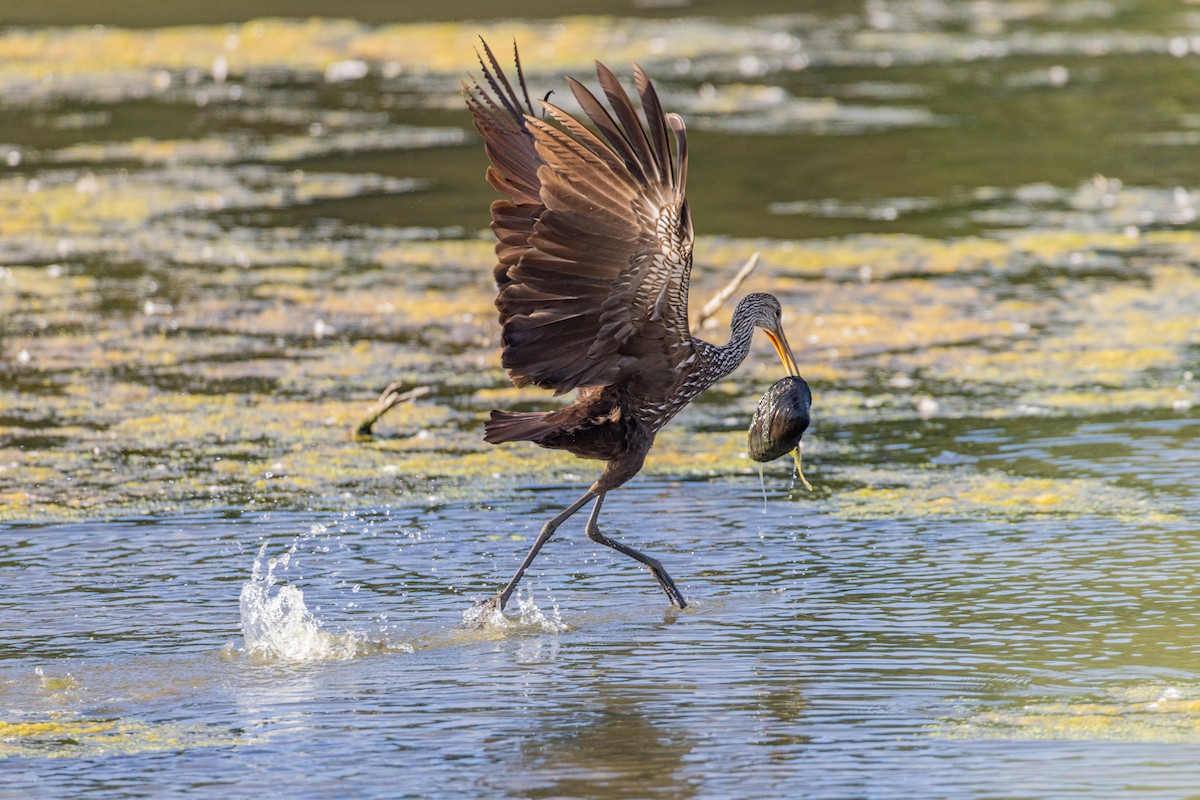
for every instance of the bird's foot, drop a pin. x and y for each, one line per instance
(671, 589)
(664, 580)
(484, 613)
(494, 603)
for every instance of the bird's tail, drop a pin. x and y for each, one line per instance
(517, 426)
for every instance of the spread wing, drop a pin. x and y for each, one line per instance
(594, 243)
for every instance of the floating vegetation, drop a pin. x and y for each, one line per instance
(225, 380)
(204, 63)
(188, 315)
(960, 492)
(1111, 347)
(1101, 204)
(766, 109)
(71, 736)
(1149, 713)
(113, 64)
(77, 213)
(228, 150)
(882, 210)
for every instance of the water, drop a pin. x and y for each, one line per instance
(821, 656)
(219, 242)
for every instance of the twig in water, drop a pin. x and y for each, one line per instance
(719, 299)
(392, 396)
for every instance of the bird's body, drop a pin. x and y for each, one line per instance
(594, 258)
(615, 423)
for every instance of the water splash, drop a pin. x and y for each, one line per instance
(277, 625)
(530, 618)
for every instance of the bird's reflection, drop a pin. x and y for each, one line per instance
(612, 751)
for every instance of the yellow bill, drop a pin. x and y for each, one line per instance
(779, 340)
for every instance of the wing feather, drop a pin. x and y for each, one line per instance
(618, 141)
(627, 114)
(657, 121)
(594, 243)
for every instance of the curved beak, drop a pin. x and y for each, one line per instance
(779, 339)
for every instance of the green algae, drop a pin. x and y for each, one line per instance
(228, 150)
(171, 335)
(70, 736)
(247, 371)
(1141, 713)
(959, 492)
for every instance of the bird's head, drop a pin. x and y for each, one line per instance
(763, 311)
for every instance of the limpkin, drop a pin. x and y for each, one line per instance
(594, 257)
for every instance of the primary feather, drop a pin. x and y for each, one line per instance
(594, 243)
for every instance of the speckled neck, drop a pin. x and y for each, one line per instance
(741, 333)
(729, 356)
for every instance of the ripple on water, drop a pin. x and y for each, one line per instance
(841, 649)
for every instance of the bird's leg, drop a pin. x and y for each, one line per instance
(501, 599)
(655, 566)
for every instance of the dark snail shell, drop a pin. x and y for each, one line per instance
(781, 419)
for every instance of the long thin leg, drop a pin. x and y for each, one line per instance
(501, 600)
(656, 567)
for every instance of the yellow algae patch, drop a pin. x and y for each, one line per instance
(152, 151)
(1111, 336)
(111, 212)
(1175, 398)
(679, 452)
(566, 43)
(115, 62)
(1136, 714)
(473, 304)
(860, 257)
(1163, 313)
(1040, 364)
(958, 492)
(36, 282)
(229, 365)
(1053, 244)
(226, 149)
(66, 59)
(510, 395)
(28, 206)
(73, 737)
(459, 252)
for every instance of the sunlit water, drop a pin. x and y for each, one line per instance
(907, 657)
(206, 268)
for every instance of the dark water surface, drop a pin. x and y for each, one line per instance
(218, 242)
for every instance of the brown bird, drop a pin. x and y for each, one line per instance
(594, 257)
